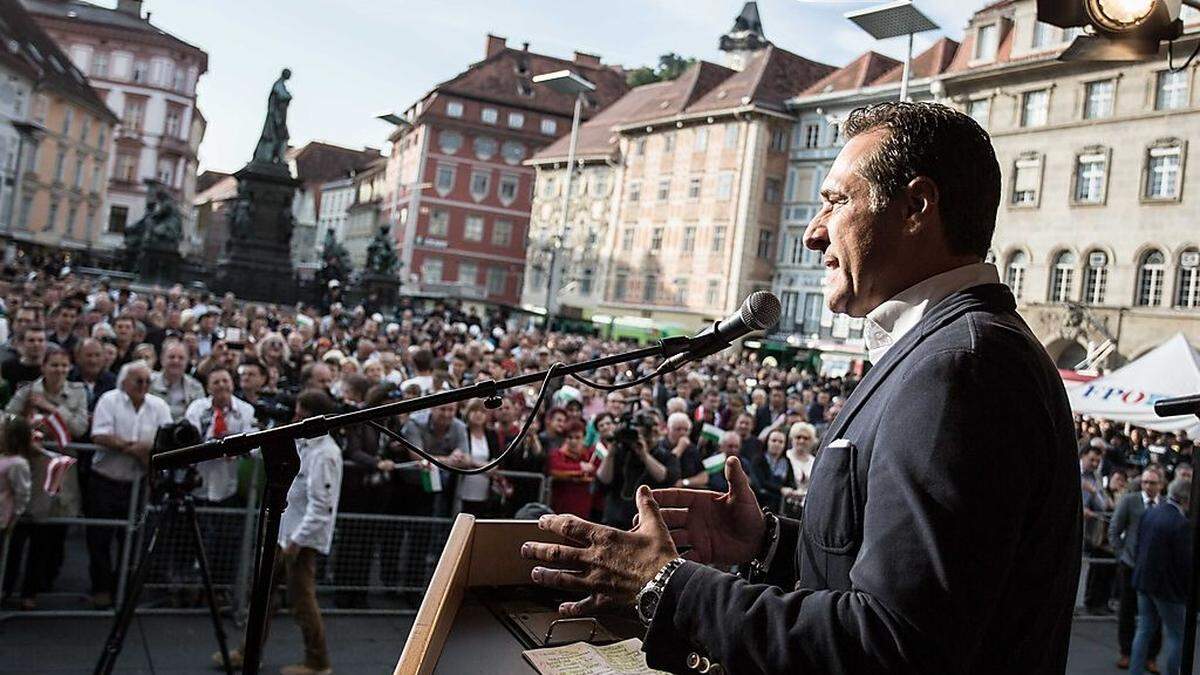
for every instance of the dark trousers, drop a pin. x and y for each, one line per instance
(222, 537)
(45, 546)
(106, 498)
(300, 572)
(413, 568)
(1100, 575)
(1127, 615)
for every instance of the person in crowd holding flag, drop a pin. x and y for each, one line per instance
(571, 472)
(126, 421)
(62, 403)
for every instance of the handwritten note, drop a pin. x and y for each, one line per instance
(580, 658)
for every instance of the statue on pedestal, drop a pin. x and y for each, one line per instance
(381, 254)
(152, 243)
(272, 144)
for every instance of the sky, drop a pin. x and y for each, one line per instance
(354, 59)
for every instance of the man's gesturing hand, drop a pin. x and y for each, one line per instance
(721, 529)
(610, 564)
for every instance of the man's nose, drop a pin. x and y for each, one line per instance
(816, 235)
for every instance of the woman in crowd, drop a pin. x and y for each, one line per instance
(483, 446)
(773, 477)
(52, 394)
(801, 455)
(571, 472)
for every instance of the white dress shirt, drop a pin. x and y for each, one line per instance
(116, 416)
(219, 477)
(890, 321)
(312, 500)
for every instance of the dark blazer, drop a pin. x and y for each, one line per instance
(906, 561)
(1164, 554)
(768, 486)
(1123, 528)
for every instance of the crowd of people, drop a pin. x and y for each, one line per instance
(87, 361)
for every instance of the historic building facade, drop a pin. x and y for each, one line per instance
(1097, 232)
(458, 192)
(699, 188)
(149, 78)
(59, 161)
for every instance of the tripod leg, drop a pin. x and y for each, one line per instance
(116, 637)
(202, 558)
(282, 464)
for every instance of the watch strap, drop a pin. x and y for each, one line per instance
(770, 544)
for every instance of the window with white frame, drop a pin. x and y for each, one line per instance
(1095, 278)
(1098, 99)
(694, 188)
(664, 189)
(1035, 108)
(1164, 164)
(549, 127)
(468, 273)
(450, 141)
(497, 279)
(473, 229)
(791, 308)
(627, 238)
(680, 287)
(516, 120)
(444, 182)
(513, 152)
(454, 109)
(431, 270)
(489, 115)
(650, 288)
(635, 190)
(439, 223)
(100, 64)
(773, 191)
(1187, 285)
(509, 185)
(718, 239)
(731, 135)
(668, 140)
(700, 139)
(502, 233)
(1091, 176)
(987, 39)
(1152, 271)
(620, 285)
(1027, 180)
(712, 293)
(587, 281)
(485, 147)
(980, 110)
(481, 183)
(1171, 92)
(656, 239)
(689, 239)
(765, 237)
(812, 135)
(779, 140)
(1062, 276)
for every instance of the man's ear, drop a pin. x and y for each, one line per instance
(923, 204)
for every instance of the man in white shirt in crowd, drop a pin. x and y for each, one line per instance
(306, 529)
(215, 416)
(124, 425)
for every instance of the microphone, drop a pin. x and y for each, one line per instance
(760, 311)
(1182, 405)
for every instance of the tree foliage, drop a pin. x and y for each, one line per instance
(670, 66)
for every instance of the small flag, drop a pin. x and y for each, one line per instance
(57, 428)
(431, 479)
(56, 472)
(600, 452)
(712, 432)
(715, 464)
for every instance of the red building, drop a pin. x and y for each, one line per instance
(459, 193)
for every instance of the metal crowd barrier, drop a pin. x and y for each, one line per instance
(379, 562)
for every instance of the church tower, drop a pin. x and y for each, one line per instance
(745, 38)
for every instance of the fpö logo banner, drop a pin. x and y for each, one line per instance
(1133, 398)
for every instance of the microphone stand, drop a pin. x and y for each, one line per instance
(1189, 630)
(282, 463)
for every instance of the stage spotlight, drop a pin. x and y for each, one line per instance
(1121, 30)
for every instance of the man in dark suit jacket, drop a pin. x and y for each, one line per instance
(1123, 538)
(906, 560)
(1161, 576)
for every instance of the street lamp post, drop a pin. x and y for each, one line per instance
(894, 19)
(565, 82)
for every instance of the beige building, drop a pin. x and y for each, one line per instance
(698, 192)
(1097, 233)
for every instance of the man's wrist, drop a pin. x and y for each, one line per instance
(769, 544)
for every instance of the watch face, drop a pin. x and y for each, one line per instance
(647, 604)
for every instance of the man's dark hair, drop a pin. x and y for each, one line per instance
(357, 383)
(422, 360)
(253, 362)
(316, 402)
(943, 145)
(218, 369)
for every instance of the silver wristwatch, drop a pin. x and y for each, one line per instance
(651, 594)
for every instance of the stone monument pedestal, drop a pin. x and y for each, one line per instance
(257, 262)
(384, 288)
(160, 263)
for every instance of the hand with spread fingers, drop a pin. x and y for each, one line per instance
(610, 565)
(720, 529)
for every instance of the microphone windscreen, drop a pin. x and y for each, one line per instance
(761, 310)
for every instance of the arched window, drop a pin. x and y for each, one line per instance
(1151, 272)
(1014, 274)
(1062, 276)
(1095, 278)
(1187, 287)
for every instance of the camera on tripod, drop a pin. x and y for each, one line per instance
(173, 436)
(635, 425)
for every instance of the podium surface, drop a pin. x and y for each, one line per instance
(455, 630)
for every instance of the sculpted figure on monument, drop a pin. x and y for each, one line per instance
(272, 145)
(381, 254)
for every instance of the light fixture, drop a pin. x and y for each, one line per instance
(1119, 16)
(1122, 30)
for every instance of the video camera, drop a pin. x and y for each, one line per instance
(173, 436)
(634, 425)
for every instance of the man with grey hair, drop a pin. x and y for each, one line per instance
(124, 425)
(1161, 575)
(931, 573)
(679, 443)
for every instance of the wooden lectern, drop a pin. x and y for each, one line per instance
(478, 554)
